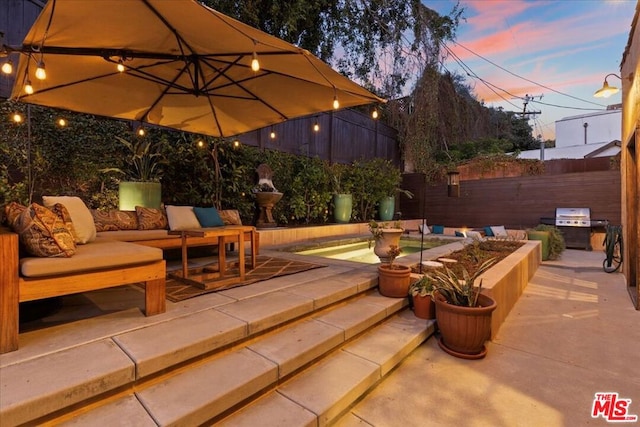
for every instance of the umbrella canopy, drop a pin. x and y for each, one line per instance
(183, 65)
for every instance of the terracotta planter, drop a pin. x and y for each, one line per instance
(394, 282)
(424, 307)
(464, 330)
(390, 236)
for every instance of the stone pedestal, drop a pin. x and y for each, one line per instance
(266, 201)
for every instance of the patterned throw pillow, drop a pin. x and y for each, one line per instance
(115, 220)
(43, 233)
(230, 217)
(12, 211)
(61, 212)
(151, 219)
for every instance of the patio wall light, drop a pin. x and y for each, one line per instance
(606, 91)
(453, 184)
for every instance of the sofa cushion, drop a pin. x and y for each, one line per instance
(499, 231)
(114, 220)
(437, 229)
(61, 212)
(181, 218)
(230, 217)
(137, 235)
(81, 216)
(99, 254)
(208, 217)
(151, 219)
(43, 233)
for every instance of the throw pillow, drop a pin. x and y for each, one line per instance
(208, 217)
(499, 231)
(181, 218)
(488, 232)
(461, 233)
(230, 217)
(80, 215)
(437, 229)
(61, 211)
(474, 235)
(43, 233)
(114, 220)
(151, 219)
(12, 211)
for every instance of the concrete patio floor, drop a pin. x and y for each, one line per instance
(573, 333)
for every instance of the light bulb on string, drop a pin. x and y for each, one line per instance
(17, 118)
(120, 66)
(316, 127)
(255, 64)
(62, 122)
(140, 131)
(236, 143)
(336, 103)
(374, 114)
(41, 73)
(7, 67)
(272, 134)
(28, 89)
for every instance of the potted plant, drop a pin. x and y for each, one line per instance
(141, 185)
(342, 197)
(394, 279)
(463, 313)
(385, 234)
(389, 180)
(420, 292)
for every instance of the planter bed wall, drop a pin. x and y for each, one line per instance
(505, 281)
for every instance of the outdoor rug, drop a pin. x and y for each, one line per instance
(266, 268)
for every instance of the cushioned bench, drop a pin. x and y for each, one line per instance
(100, 264)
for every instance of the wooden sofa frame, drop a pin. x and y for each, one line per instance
(15, 289)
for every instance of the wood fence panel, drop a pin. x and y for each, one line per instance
(514, 202)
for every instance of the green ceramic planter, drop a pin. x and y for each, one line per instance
(132, 194)
(342, 207)
(386, 207)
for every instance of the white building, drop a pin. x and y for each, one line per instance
(587, 135)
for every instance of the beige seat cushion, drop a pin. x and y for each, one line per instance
(97, 255)
(137, 235)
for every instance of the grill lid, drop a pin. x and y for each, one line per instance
(573, 217)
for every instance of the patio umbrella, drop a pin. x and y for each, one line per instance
(173, 63)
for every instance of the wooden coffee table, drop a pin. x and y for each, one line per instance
(208, 277)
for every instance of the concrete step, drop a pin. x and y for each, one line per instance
(61, 379)
(342, 371)
(320, 394)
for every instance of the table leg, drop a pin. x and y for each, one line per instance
(185, 269)
(222, 255)
(241, 253)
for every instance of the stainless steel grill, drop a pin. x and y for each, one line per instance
(576, 225)
(573, 217)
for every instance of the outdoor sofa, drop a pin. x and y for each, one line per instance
(73, 257)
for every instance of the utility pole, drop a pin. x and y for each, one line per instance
(529, 114)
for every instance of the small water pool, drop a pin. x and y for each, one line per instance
(359, 251)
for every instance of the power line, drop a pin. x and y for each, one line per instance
(526, 79)
(570, 108)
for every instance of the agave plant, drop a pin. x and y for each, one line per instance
(456, 290)
(145, 160)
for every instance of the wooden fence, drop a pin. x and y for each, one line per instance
(516, 202)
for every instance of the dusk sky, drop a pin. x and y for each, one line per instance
(569, 46)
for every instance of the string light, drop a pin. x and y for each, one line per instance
(272, 134)
(374, 114)
(236, 144)
(200, 143)
(41, 74)
(316, 127)
(28, 89)
(140, 131)
(336, 103)
(62, 122)
(255, 64)
(17, 117)
(7, 67)
(120, 66)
